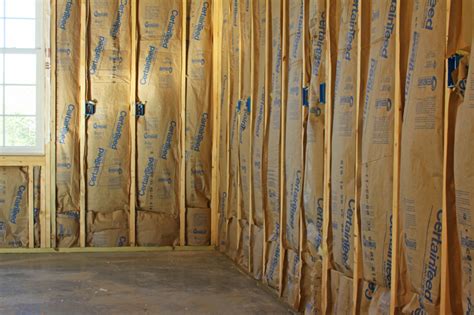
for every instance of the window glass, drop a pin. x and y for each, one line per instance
(21, 77)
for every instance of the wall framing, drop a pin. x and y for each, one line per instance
(48, 160)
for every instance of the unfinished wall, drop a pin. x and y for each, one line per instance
(138, 75)
(347, 239)
(326, 239)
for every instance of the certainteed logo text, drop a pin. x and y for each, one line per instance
(66, 124)
(389, 27)
(15, 210)
(149, 170)
(201, 22)
(169, 30)
(351, 34)
(347, 235)
(431, 267)
(196, 146)
(430, 13)
(98, 162)
(150, 58)
(98, 51)
(318, 49)
(66, 15)
(118, 21)
(169, 139)
(118, 130)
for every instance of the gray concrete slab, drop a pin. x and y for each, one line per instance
(130, 283)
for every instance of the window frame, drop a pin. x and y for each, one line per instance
(41, 86)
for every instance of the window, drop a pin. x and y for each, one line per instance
(21, 77)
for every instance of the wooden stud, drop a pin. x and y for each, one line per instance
(228, 125)
(284, 77)
(250, 125)
(239, 203)
(82, 125)
(444, 294)
(31, 224)
(216, 112)
(133, 126)
(327, 164)
(357, 269)
(48, 220)
(305, 82)
(44, 234)
(109, 250)
(396, 169)
(268, 75)
(23, 161)
(182, 168)
(26, 160)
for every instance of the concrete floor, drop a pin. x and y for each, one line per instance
(130, 283)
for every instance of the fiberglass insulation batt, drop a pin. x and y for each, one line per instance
(313, 186)
(272, 142)
(108, 130)
(159, 130)
(68, 104)
(259, 20)
(464, 183)
(377, 151)
(14, 207)
(198, 106)
(223, 130)
(234, 108)
(244, 134)
(421, 170)
(293, 154)
(344, 139)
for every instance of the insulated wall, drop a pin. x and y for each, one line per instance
(127, 84)
(159, 129)
(68, 105)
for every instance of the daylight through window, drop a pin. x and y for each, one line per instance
(21, 77)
